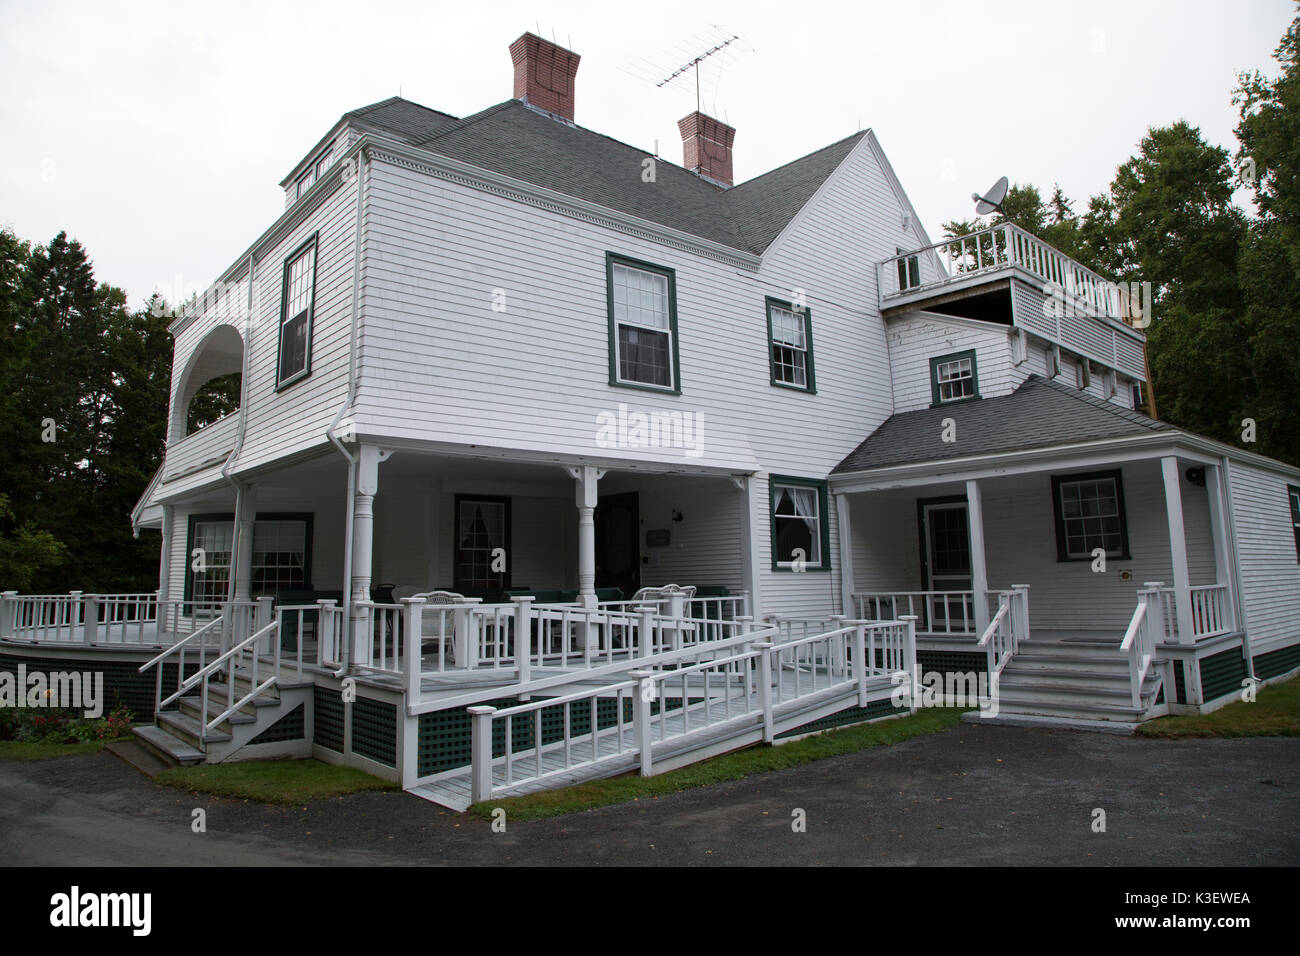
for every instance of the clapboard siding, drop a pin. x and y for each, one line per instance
(886, 547)
(438, 363)
(277, 424)
(917, 338)
(203, 447)
(706, 545)
(294, 419)
(1270, 574)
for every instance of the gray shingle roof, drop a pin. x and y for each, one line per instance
(516, 141)
(401, 118)
(1039, 414)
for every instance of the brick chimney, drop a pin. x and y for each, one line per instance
(544, 74)
(706, 145)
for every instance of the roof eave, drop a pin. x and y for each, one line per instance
(1152, 444)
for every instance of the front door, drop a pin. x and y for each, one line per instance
(946, 565)
(618, 551)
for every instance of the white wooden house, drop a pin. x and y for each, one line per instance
(504, 356)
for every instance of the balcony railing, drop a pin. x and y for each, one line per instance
(996, 249)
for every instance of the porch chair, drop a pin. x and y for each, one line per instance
(432, 625)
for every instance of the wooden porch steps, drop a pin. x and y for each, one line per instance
(1074, 680)
(177, 738)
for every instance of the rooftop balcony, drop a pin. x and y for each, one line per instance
(1005, 274)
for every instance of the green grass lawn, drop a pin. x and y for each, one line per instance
(18, 750)
(742, 763)
(1274, 713)
(273, 781)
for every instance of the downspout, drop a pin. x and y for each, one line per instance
(240, 427)
(1239, 605)
(350, 504)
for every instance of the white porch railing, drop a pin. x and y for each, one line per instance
(1002, 638)
(82, 618)
(1210, 613)
(938, 613)
(1139, 645)
(749, 684)
(474, 638)
(999, 247)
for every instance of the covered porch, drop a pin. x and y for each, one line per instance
(1083, 536)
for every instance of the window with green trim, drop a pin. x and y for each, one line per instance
(954, 378)
(297, 308)
(1089, 511)
(800, 524)
(909, 270)
(790, 345)
(642, 302)
(281, 555)
(1293, 496)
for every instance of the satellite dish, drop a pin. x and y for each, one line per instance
(992, 200)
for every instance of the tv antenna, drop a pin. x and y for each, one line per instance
(991, 200)
(694, 64)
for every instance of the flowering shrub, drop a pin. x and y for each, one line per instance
(62, 726)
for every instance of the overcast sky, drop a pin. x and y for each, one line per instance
(156, 133)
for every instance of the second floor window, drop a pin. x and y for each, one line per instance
(909, 271)
(790, 340)
(1293, 497)
(953, 378)
(643, 324)
(299, 296)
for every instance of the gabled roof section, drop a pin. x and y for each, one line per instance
(1039, 414)
(763, 206)
(514, 140)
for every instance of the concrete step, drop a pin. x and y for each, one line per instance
(136, 754)
(1079, 710)
(168, 748)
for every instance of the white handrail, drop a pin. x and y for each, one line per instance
(1139, 644)
(744, 687)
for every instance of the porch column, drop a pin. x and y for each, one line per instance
(363, 520)
(845, 525)
(1224, 575)
(245, 515)
(1178, 548)
(978, 567)
(165, 557)
(751, 555)
(586, 478)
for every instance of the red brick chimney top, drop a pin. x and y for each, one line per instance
(706, 146)
(544, 74)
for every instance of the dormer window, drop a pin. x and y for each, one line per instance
(954, 378)
(315, 171)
